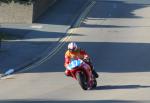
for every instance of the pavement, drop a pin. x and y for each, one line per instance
(34, 41)
(118, 54)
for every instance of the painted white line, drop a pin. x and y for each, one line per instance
(34, 40)
(7, 77)
(36, 26)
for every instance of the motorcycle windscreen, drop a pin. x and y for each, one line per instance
(74, 63)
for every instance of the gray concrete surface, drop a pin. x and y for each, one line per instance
(23, 13)
(15, 13)
(119, 56)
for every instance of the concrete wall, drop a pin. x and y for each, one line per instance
(15, 13)
(23, 13)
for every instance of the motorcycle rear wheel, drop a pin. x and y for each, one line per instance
(95, 83)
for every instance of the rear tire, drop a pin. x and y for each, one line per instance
(82, 80)
(95, 83)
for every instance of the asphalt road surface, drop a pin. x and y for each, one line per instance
(116, 35)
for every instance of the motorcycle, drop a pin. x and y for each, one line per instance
(81, 72)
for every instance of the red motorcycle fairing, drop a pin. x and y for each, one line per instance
(84, 68)
(75, 70)
(81, 71)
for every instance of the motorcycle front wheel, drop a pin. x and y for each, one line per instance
(82, 80)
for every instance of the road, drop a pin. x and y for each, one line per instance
(116, 35)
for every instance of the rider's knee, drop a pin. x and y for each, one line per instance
(67, 73)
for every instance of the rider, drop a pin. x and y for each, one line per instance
(75, 52)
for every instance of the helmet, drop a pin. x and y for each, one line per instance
(72, 46)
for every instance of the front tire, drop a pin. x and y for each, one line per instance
(82, 80)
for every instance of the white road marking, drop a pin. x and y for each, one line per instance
(36, 26)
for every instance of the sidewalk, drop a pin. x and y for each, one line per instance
(38, 38)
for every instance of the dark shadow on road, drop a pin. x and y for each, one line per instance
(112, 26)
(115, 9)
(106, 57)
(27, 47)
(21, 33)
(119, 57)
(104, 10)
(71, 101)
(108, 87)
(35, 34)
(62, 13)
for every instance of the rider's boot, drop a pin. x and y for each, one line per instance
(95, 73)
(93, 70)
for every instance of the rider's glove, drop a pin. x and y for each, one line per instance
(86, 59)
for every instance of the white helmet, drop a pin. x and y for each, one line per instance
(72, 46)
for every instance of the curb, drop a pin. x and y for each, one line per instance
(59, 44)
